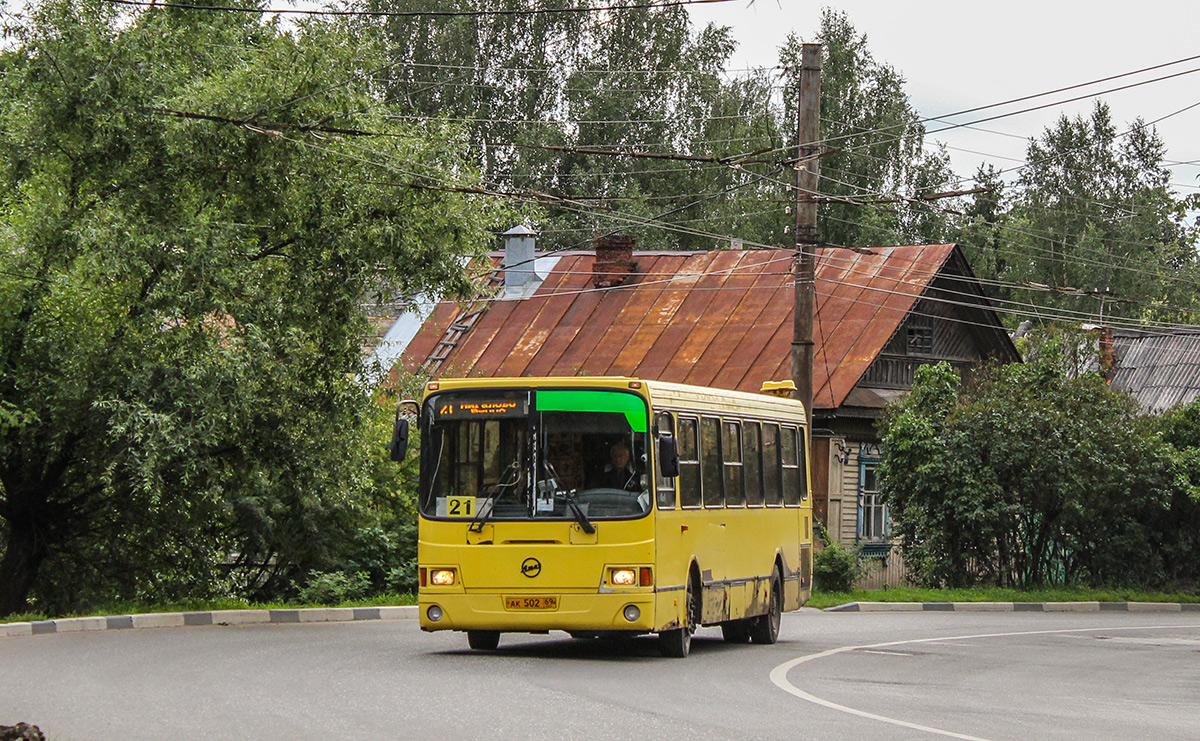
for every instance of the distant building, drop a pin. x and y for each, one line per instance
(1159, 369)
(723, 318)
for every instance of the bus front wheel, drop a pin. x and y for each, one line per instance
(483, 640)
(676, 644)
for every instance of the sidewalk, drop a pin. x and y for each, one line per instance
(214, 617)
(409, 612)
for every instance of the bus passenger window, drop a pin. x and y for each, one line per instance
(772, 490)
(710, 461)
(665, 487)
(753, 464)
(791, 466)
(731, 451)
(804, 464)
(689, 464)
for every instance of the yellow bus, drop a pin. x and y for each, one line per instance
(608, 507)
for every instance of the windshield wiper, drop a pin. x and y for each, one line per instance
(572, 499)
(487, 510)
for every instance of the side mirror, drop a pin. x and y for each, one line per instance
(400, 433)
(668, 456)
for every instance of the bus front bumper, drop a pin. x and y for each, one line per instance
(570, 612)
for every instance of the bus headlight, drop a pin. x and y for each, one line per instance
(624, 577)
(441, 577)
(632, 613)
(434, 613)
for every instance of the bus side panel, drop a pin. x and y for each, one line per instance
(675, 546)
(799, 585)
(735, 550)
(761, 534)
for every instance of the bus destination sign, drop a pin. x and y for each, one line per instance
(457, 407)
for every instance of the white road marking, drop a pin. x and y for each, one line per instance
(779, 673)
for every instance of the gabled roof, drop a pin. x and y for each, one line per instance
(1158, 370)
(719, 318)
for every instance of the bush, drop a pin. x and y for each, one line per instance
(835, 569)
(331, 588)
(403, 578)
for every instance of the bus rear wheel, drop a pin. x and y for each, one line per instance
(483, 640)
(765, 629)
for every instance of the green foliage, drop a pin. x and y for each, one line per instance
(539, 112)
(325, 588)
(1031, 474)
(875, 140)
(835, 569)
(183, 406)
(1093, 214)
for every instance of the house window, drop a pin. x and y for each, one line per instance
(872, 513)
(920, 341)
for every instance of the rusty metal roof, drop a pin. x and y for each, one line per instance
(1158, 370)
(720, 318)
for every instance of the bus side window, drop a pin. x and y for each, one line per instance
(665, 487)
(771, 468)
(689, 463)
(791, 466)
(731, 454)
(805, 464)
(710, 461)
(753, 464)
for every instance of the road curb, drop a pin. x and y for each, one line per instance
(1016, 607)
(214, 617)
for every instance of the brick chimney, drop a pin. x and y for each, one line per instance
(614, 264)
(1108, 352)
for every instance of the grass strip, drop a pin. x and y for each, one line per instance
(979, 594)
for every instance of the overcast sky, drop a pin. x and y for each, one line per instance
(959, 55)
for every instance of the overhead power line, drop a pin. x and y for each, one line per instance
(1024, 98)
(412, 13)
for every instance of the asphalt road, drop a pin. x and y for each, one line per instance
(832, 675)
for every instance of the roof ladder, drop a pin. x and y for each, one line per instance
(459, 328)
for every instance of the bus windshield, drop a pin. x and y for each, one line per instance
(556, 454)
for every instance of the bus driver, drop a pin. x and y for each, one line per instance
(619, 472)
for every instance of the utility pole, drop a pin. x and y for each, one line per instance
(808, 170)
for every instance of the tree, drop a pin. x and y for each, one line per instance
(875, 144)
(635, 126)
(190, 226)
(1028, 475)
(1177, 527)
(1094, 212)
(538, 110)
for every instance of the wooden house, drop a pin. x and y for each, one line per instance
(723, 318)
